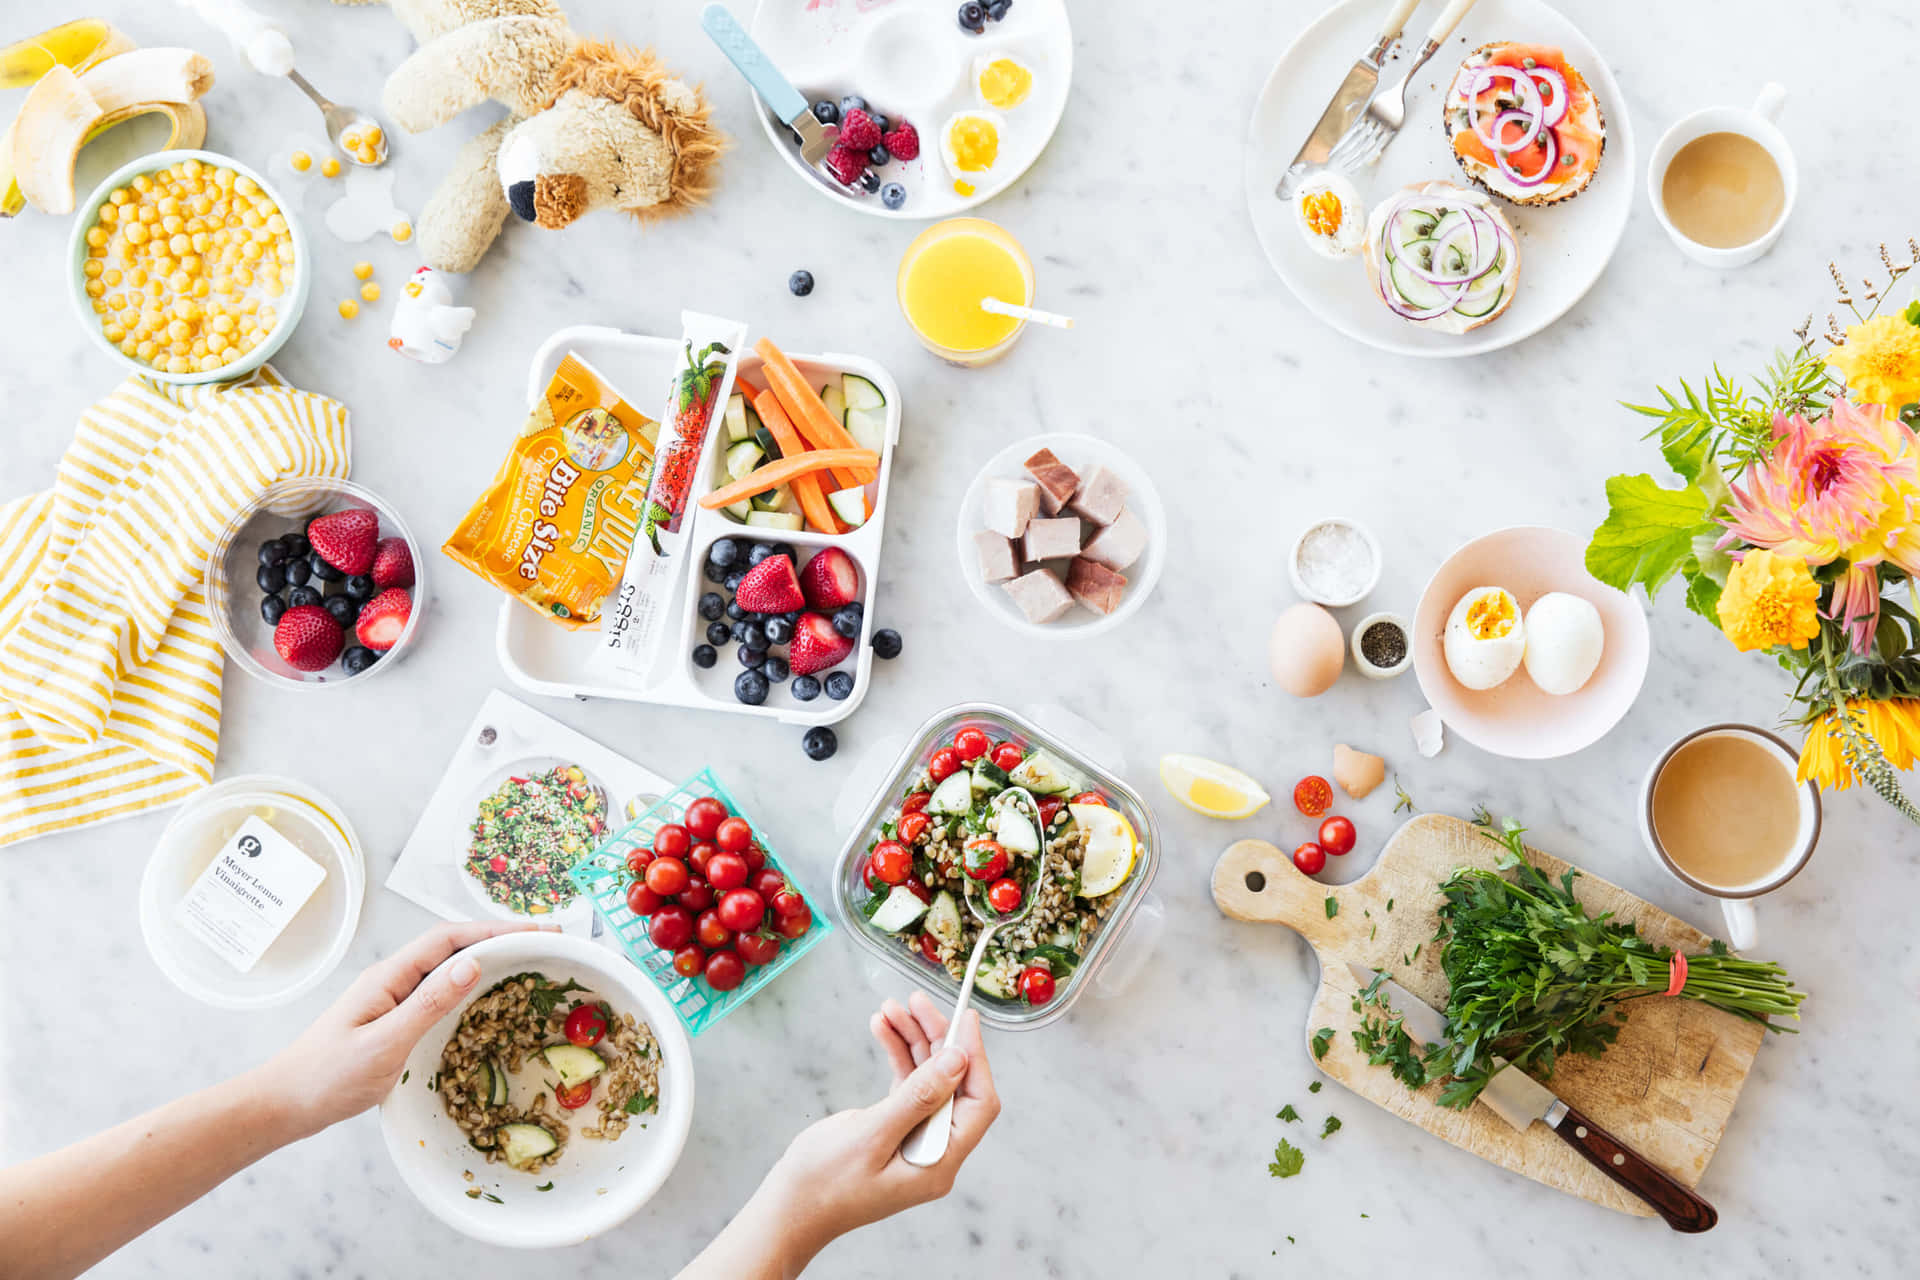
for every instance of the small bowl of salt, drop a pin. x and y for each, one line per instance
(1335, 562)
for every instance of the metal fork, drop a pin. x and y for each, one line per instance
(1386, 114)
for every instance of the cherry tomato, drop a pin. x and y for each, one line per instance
(757, 948)
(1003, 896)
(573, 1097)
(709, 932)
(913, 826)
(733, 834)
(1310, 858)
(586, 1025)
(1008, 756)
(873, 882)
(1090, 797)
(766, 882)
(497, 863)
(945, 763)
(930, 947)
(756, 856)
(787, 904)
(971, 744)
(671, 928)
(986, 860)
(1337, 836)
(741, 910)
(643, 901)
(699, 854)
(637, 862)
(1036, 984)
(891, 861)
(671, 841)
(1048, 808)
(667, 876)
(915, 802)
(725, 970)
(795, 925)
(919, 891)
(704, 817)
(1312, 795)
(727, 871)
(688, 962)
(697, 896)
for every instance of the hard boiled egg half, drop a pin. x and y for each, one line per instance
(1485, 638)
(970, 144)
(1331, 217)
(1003, 80)
(1564, 642)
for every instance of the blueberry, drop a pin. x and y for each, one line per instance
(273, 551)
(779, 630)
(302, 596)
(819, 743)
(297, 572)
(718, 633)
(869, 181)
(738, 631)
(793, 619)
(358, 658)
(270, 578)
(736, 611)
(750, 657)
(712, 606)
(893, 195)
(731, 583)
(754, 635)
(271, 607)
(713, 572)
(704, 655)
(725, 552)
(886, 643)
(805, 688)
(826, 112)
(343, 609)
(781, 549)
(839, 685)
(757, 552)
(360, 587)
(880, 122)
(879, 155)
(997, 9)
(322, 570)
(973, 16)
(852, 102)
(750, 687)
(800, 283)
(775, 669)
(296, 545)
(846, 620)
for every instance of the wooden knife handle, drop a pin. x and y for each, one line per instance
(1682, 1209)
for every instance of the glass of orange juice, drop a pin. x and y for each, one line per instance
(947, 270)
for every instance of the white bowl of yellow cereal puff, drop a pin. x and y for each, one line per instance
(188, 267)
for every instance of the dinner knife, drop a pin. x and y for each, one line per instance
(774, 89)
(1348, 101)
(1519, 1099)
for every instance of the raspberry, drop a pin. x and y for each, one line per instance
(858, 131)
(846, 165)
(903, 142)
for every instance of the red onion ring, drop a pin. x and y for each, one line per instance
(1500, 157)
(1490, 265)
(1555, 109)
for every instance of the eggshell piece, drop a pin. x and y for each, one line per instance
(1306, 650)
(1428, 736)
(1357, 772)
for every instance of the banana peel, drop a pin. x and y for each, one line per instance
(75, 45)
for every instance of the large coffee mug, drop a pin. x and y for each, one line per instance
(1755, 122)
(1737, 903)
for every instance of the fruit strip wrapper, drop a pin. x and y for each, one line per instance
(635, 622)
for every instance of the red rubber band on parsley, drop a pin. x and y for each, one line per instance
(1677, 973)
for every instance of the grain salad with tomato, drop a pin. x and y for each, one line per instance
(530, 832)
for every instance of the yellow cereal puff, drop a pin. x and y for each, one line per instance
(402, 231)
(348, 308)
(363, 271)
(370, 291)
(300, 161)
(329, 168)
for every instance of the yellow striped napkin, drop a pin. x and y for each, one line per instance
(109, 666)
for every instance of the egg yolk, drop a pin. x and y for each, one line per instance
(975, 143)
(1322, 212)
(1004, 83)
(1491, 616)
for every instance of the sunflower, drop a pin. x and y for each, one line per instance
(1880, 361)
(1893, 725)
(1770, 600)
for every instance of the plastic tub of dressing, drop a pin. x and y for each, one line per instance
(253, 892)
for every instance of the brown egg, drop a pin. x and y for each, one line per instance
(1306, 651)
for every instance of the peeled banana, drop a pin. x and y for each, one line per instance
(46, 139)
(77, 44)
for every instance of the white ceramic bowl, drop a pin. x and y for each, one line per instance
(596, 1185)
(1300, 586)
(1081, 453)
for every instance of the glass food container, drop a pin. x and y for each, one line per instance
(999, 724)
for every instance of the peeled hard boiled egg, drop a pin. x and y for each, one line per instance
(1330, 215)
(1564, 642)
(1003, 80)
(1485, 638)
(970, 142)
(1306, 651)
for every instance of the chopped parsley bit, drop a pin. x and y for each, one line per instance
(1402, 802)
(1333, 908)
(1287, 1113)
(1321, 1039)
(1389, 904)
(1287, 1160)
(1314, 1087)
(1331, 1127)
(1373, 933)
(1289, 1239)
(544, 1187)
(405, 1074)
(491, 1198)
(1366, 1215)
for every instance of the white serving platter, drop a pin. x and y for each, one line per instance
(1563, 248)
(543, 658)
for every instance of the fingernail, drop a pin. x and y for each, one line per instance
(951, 1062)
(464, 972)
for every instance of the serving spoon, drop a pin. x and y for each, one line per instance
(928, 1140)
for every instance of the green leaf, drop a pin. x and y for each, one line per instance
(1287, 1160)
(1314, 1087)
(1333, 908)
(545, 1186)
(1321, 1039)
(1648, 533)
(1703, 596)
(1288, 1114)
(1331, 1127)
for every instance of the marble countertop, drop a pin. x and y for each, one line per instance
(1136, 1131)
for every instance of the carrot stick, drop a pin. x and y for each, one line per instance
(809, 415)
(771, 475)
(813, 502)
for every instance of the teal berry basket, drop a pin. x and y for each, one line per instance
(603, 877)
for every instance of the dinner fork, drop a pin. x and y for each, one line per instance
(1386, 114)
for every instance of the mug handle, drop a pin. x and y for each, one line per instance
(1743, 926)
(1773, 96)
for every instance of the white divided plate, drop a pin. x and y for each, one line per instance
(1082, 453)
(547, 659)
(1563, 248)
(911, 61)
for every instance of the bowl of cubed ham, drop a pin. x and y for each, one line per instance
(1062, 534)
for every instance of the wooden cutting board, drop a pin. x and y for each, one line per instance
(1665, 1088)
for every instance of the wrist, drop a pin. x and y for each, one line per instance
(267, 1105)
(787, 1228)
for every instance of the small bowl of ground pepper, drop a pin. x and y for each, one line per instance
(1381, 648)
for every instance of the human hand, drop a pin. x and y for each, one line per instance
(352, 1054)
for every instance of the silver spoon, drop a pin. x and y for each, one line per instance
(928, 1140)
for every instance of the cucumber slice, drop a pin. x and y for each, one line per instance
(901, 909)
(943, 918)
(573, 1063)
(777, 499)
(791, 521)
(860, 393)
(988, 777)
(1012, 829)
(1480, 302)
(753, 423)
(1412, 224)
(1413, 291)
(1042, 774)
(868, 427)
(739, 510)
(737, 428)
(742, 458)
(953, 795)
(496, 1084)
(1068, 936)
(522, 1144)
(850, 505)
(768, 445)
(996, 977)
(836, 402)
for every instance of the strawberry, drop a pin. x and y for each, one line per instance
(858, 132)
(903, 142)
(770, 587)
(307, 638)
(816, 645)
(383, 618)
(830, 580)
(392, 563)
(345, 539)
(846, 165)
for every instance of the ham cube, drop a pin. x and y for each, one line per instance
(1052, 539)
(1056, 479)
(1094, 585)
(1008, 505)
(1039, 595)
(997, 559)
(1102, 498)
(1119, 544)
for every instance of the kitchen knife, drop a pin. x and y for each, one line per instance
(1348, 101)
(1519, 1099)
(774, 89)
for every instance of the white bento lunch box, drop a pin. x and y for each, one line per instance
(546, 659)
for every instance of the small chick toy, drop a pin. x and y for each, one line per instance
(426, 325)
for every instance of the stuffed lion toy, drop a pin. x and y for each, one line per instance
(591, 125)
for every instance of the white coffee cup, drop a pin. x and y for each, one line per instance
(1755, 122)
(1736, 904)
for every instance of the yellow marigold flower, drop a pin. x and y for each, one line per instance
(1770, 600)
(1880, 361)
(1894, 725)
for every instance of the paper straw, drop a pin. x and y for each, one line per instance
(1018, 312)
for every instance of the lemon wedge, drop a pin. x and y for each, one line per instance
(1209, 787)
(1111, 846)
